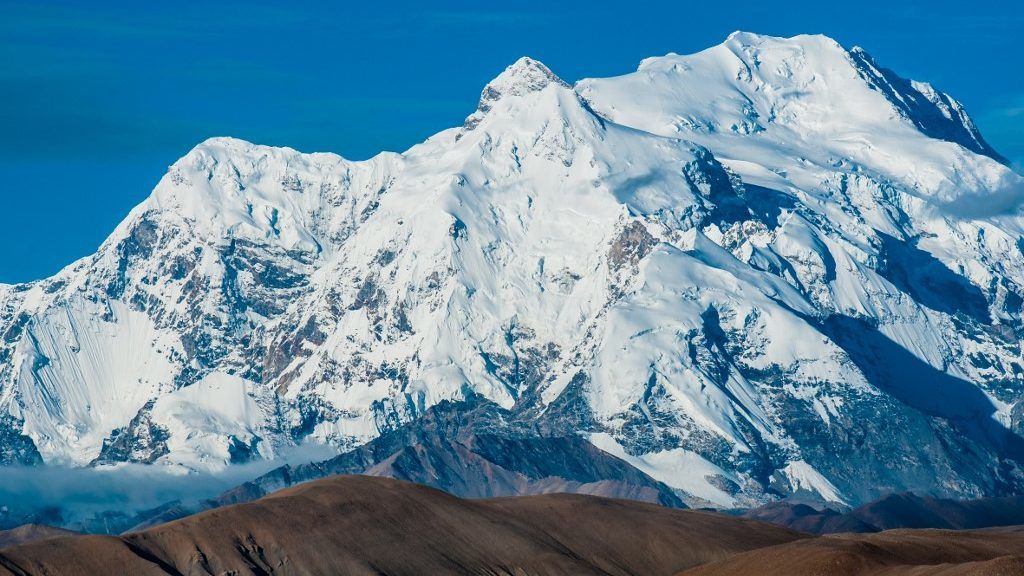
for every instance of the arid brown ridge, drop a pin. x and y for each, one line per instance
(366, 525)
(369, 525)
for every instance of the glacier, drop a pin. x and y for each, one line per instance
(769, 268)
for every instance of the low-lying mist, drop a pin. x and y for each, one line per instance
(108, 498)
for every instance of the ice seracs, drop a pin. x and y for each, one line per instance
(771, 267)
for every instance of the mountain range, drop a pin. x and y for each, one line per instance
(771, 269)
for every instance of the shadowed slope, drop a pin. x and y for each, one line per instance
(910, 511)
(896, 552)
(897, 511)
(805, 518)
(366, 525)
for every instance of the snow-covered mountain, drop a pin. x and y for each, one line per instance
(766, 268)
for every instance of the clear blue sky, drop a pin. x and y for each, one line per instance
(97, 98)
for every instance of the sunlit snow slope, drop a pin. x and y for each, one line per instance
(772, 267)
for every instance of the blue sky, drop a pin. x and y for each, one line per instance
(97, 100)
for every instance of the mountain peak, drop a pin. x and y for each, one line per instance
(751, 39)
(523, 77)
(586, 259)
(745, 37)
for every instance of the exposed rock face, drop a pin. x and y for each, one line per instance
(770, 268)
(140, 441)
(475, 449)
